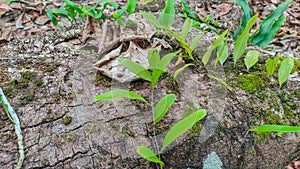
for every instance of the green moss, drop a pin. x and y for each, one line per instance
(38, 82)
(28, 75)
(273, 119)
(45, 163)
(296, 66)
(67, 120)
(102, 80)
(52, 67)
(9, 91)
(297, 93)
(126, 130)
(251, 82)
(26, 99)
(56, 96)
(19, 84)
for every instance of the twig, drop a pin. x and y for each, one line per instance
(14, 118)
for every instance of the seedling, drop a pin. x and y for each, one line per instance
(268, 27)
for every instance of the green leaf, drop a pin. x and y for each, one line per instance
(251, 58)
(272, 65)
(73, 6)
(267, 24)
(165, 61)
(215, 44)
(151, 18)
(182, 126)
(195, 42)
(276, 128)
(131, 6)
(181, 69)
(224, 55)
(118, 15)
(285, 69)
(155, 76)
(186, 27)
(271, 34)
(167, 16)
(246, 17)
(63, 13)
(162, 107)
(136, 68)
(189, 12)
(241, 42)
(153, 58)
(148, 154)
(53, 18)
(119, 93)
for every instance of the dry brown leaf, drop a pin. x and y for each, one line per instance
(42, 20)
(4, 7)
(223, 9)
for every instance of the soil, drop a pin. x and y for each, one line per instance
(50, 81)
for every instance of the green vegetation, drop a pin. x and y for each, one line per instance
(67, 120)
(252, 82)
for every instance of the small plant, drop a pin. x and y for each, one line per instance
(207, 24)
(71, 11)
(276, 128)
(157, 67)
(268, 27)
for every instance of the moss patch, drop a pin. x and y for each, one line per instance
(67, 120)
(251, 82)
(102, 80)
(26, 99)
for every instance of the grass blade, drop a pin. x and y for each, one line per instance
(224, 55)
(266, 38)
(148, 154)
(285, 69)
(186, 27)
(241, 42)
(266, 25)
(195, 42)
(151, 18)
(131, 6)
(162, 107)
(181, 69)
(271, 65)
(153, 58)
(182, 126)
(276, 128)
(246, 17)
(119, 93)
(251, 58)
(167, 17)
(53, 18)
(136, 68)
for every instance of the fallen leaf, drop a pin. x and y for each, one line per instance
(223, 9)
(4, 7)
(42, 20)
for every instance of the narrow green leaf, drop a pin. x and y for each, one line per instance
(251, 58)
(149, 155)
(195, 42)
(266, 38)
(53, 18)
(186, 27)
(165, 61)
(285, 69)
(220, 39)
(153, 58)
(276, 128)
(167, 16)
(220, 81)
(155, 76)
(131, 4)
(246, 17)
(271, 65)
(119, 93)
(73, 6)
(151, 18)
(187, 9)
(163, 106)
(181, 69)
(207, 55)
(182, 126)
(241, 42)
(224, 55)
(136, 68)
(266, 25)
(215, 44)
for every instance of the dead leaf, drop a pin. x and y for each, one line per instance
(223, 9)
(42, 20)
(4, 7)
